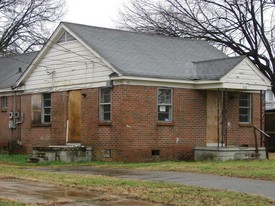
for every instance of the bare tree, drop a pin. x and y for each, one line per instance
(243, 27)
(26, 24)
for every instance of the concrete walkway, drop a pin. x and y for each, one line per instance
(257, 187)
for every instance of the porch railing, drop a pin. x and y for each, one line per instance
(256, 140)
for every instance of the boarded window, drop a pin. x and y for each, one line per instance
(164, 105)
(41, 108)
(245, 108)
(105, 104)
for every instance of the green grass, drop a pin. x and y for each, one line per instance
(158, 192)
(15, 166)
(6, 202)
(243, 168)
(14, 159)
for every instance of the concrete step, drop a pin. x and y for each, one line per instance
(37, 159)
(40, 154)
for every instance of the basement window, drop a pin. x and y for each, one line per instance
(106, 153)
(155, 153)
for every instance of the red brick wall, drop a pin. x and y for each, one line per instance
(8, 135)
(242, 134)
(134, 131)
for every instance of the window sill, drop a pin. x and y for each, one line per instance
(4, 110)
(105, 124)
(165, 123)
(41, 125)
(245, 125)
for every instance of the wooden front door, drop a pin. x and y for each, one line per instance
(74, 117)
(212, 118)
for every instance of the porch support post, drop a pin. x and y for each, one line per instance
(262, 115)
(222, 117)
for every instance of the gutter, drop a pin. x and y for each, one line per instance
(194, 82)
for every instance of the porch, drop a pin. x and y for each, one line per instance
(225, 139)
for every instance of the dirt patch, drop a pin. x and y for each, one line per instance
(52, 195)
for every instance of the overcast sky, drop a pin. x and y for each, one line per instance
(93, 12)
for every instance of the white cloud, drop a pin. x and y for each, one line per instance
(93, 12)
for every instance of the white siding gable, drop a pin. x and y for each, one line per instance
(245, 76)
(66, 66)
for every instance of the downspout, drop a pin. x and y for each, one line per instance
(12, 125)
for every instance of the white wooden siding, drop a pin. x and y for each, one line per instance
(70, 65)
(244, 74)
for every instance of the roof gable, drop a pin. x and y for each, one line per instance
(217, 68)
(247, 74)
(54, 39)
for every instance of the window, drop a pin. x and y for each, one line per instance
(41, 108)
(46, 114)
(165, 105)
(245, 108)
(66, 37)
(105, 104)
(4, 103)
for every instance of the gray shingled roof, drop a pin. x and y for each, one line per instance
(217, 68)
(147, 55)
(9, 68)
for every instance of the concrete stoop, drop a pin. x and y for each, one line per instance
(228, 153)
(61, 153)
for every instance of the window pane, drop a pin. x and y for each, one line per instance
(164, 96)
(107, 116)
(107, 108)
(47, 96)
(244, 103)
(244, 111)
(47, 103)
(164, 113)
(47, 118)
(244, 118)
(47, 111)
(105, 95)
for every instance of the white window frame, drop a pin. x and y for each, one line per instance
(4, 102)
(65, 37)
(163, 107)
(248, 108)
(44, 108)
(102, 104)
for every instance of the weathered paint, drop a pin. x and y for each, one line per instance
(74, 117)
(212, 117)
(66, 65)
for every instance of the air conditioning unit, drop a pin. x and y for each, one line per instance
(16, 115)
(10, 115)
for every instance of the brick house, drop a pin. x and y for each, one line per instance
(131, 96)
